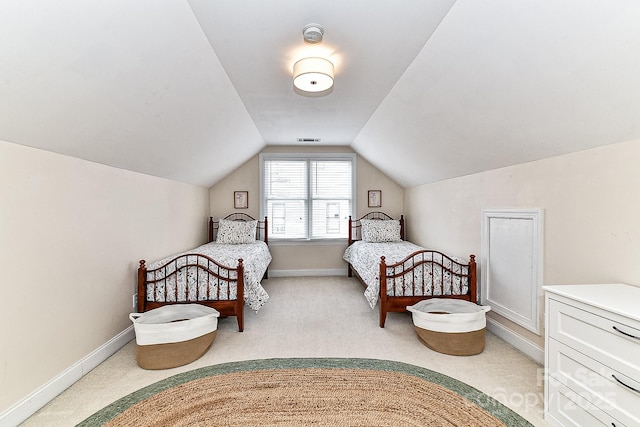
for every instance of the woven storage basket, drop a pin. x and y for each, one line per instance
(450, 326)
(173, 335)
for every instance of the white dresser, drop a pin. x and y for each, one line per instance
(592, 355)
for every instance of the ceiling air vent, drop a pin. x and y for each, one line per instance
(308, 139)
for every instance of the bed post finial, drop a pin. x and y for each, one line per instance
(473, 279)
(240, 296)
(266, 230)
(210, 229)
(383, 291)
(142, 275)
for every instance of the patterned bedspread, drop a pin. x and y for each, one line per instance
(256, 258)
(364, 257)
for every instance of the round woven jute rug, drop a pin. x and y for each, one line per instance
(318, 393)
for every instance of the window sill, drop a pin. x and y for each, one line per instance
(317, 242)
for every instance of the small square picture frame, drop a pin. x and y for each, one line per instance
(374, 198)
(240, 199)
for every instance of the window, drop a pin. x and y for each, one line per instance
(307, 197)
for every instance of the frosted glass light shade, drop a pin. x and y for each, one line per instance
(313, 74)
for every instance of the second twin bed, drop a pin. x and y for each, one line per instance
(224, 274)
(396, 273)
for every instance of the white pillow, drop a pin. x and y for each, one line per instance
(375, 231)
(236, 232)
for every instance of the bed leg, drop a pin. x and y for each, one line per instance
(383, 316)
(240, 314)
(241, 321)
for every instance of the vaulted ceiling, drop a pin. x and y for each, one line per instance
(425, 90)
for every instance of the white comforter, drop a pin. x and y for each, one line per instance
(256, 258)
(364, 257)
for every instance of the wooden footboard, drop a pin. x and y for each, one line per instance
(423, 275)
(192, 273)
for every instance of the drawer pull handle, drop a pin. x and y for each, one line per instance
(625, 333)
(627, 386)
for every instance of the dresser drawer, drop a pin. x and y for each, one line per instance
(567, 408)
(595, 382)
(599, 337)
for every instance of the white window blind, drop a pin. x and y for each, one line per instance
(307, 198)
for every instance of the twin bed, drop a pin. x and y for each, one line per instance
(223, 274)
(397, 273)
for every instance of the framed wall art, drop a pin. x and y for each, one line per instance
(375, 198)
(240, 199)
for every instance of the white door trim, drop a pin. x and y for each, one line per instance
(511, 264)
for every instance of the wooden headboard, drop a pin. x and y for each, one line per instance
(261, 229)
(355, 227)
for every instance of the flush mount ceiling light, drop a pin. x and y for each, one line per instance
(313, 75)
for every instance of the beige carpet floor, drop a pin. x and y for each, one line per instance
(313, 317)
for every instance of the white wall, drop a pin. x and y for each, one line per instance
(71, 235)
(591, 210)
(302, 259)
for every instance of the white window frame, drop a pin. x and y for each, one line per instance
(307, 157)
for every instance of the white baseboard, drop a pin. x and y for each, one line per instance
(47, 392)
(518, 341)
(307, 273)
